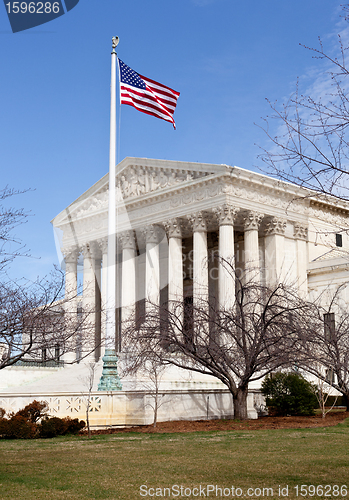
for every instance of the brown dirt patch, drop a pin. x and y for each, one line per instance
(234, 425)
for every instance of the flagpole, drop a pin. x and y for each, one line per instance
(111, 258)
(110, 380)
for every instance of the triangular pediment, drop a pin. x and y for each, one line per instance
(136, 178)
(139, 178)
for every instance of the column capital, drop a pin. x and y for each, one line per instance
(300, 231)
(252, 220)
(84, 249)
(275, 225)
(91, 250)
(103, 244)
(173, 228)
(151, 234)
(226, 214)
(127, 240)
(198, 222)
(71, 254)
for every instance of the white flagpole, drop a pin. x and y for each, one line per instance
(110, 379)
(111, 258)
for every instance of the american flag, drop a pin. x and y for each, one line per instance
(146, 95)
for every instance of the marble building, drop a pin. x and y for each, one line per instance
(173, 220)
(173, 217)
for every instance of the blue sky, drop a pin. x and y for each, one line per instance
(224, 56)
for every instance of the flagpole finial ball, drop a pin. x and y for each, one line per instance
(115, 40)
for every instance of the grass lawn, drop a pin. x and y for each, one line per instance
(116, 466)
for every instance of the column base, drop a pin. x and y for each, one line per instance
(110, 380)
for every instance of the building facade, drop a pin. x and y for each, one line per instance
(175, 221)
(175, 218)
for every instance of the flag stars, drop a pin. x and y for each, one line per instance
(130, 77)
(146, 95)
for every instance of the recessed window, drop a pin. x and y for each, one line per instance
(339, 240)
(329, 376)
(329, 327)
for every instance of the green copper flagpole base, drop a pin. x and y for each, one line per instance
(110, 380)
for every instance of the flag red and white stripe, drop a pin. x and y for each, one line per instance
(146, 95)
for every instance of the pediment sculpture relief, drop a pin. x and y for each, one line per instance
(136, 181)
(98, 202)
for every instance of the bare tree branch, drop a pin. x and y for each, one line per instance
(10, 218)
(259, 334)
(34, 322)
(324, 348)
(311, 148)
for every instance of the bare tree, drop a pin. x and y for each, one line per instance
(37, 323)
(322, 392)
(10, 218)
(34, 324)
(257, 335)
(324, 349)
(148, 362)
(311, 147)
(88, 382)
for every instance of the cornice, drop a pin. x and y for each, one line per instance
(199, 189)
(241, 188)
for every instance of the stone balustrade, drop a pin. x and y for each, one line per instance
(125, 408)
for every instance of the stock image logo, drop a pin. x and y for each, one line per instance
(27, 14)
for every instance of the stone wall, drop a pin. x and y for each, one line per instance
(126, 408)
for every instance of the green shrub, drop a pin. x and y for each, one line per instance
(22, 425)
(34, 411)
(51, 427)
(25, 423)
(54, 426)
(3, 426)
(289, 394)
(18, 427)
(74, 426)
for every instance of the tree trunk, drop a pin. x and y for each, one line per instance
(240, 403)
(88, 418)
(156, 401)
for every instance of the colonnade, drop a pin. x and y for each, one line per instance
(227, 218)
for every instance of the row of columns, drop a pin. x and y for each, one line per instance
(95, 259)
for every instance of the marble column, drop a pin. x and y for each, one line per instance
(226, 215)
(103, 245)
(200, 264)
(300, 233)
(128, 276)
(90, 302)
(71, 272)
(175, 269)
(70, 306)
(175, 260)
(152, 267)
(275, 250)
(252, 222)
